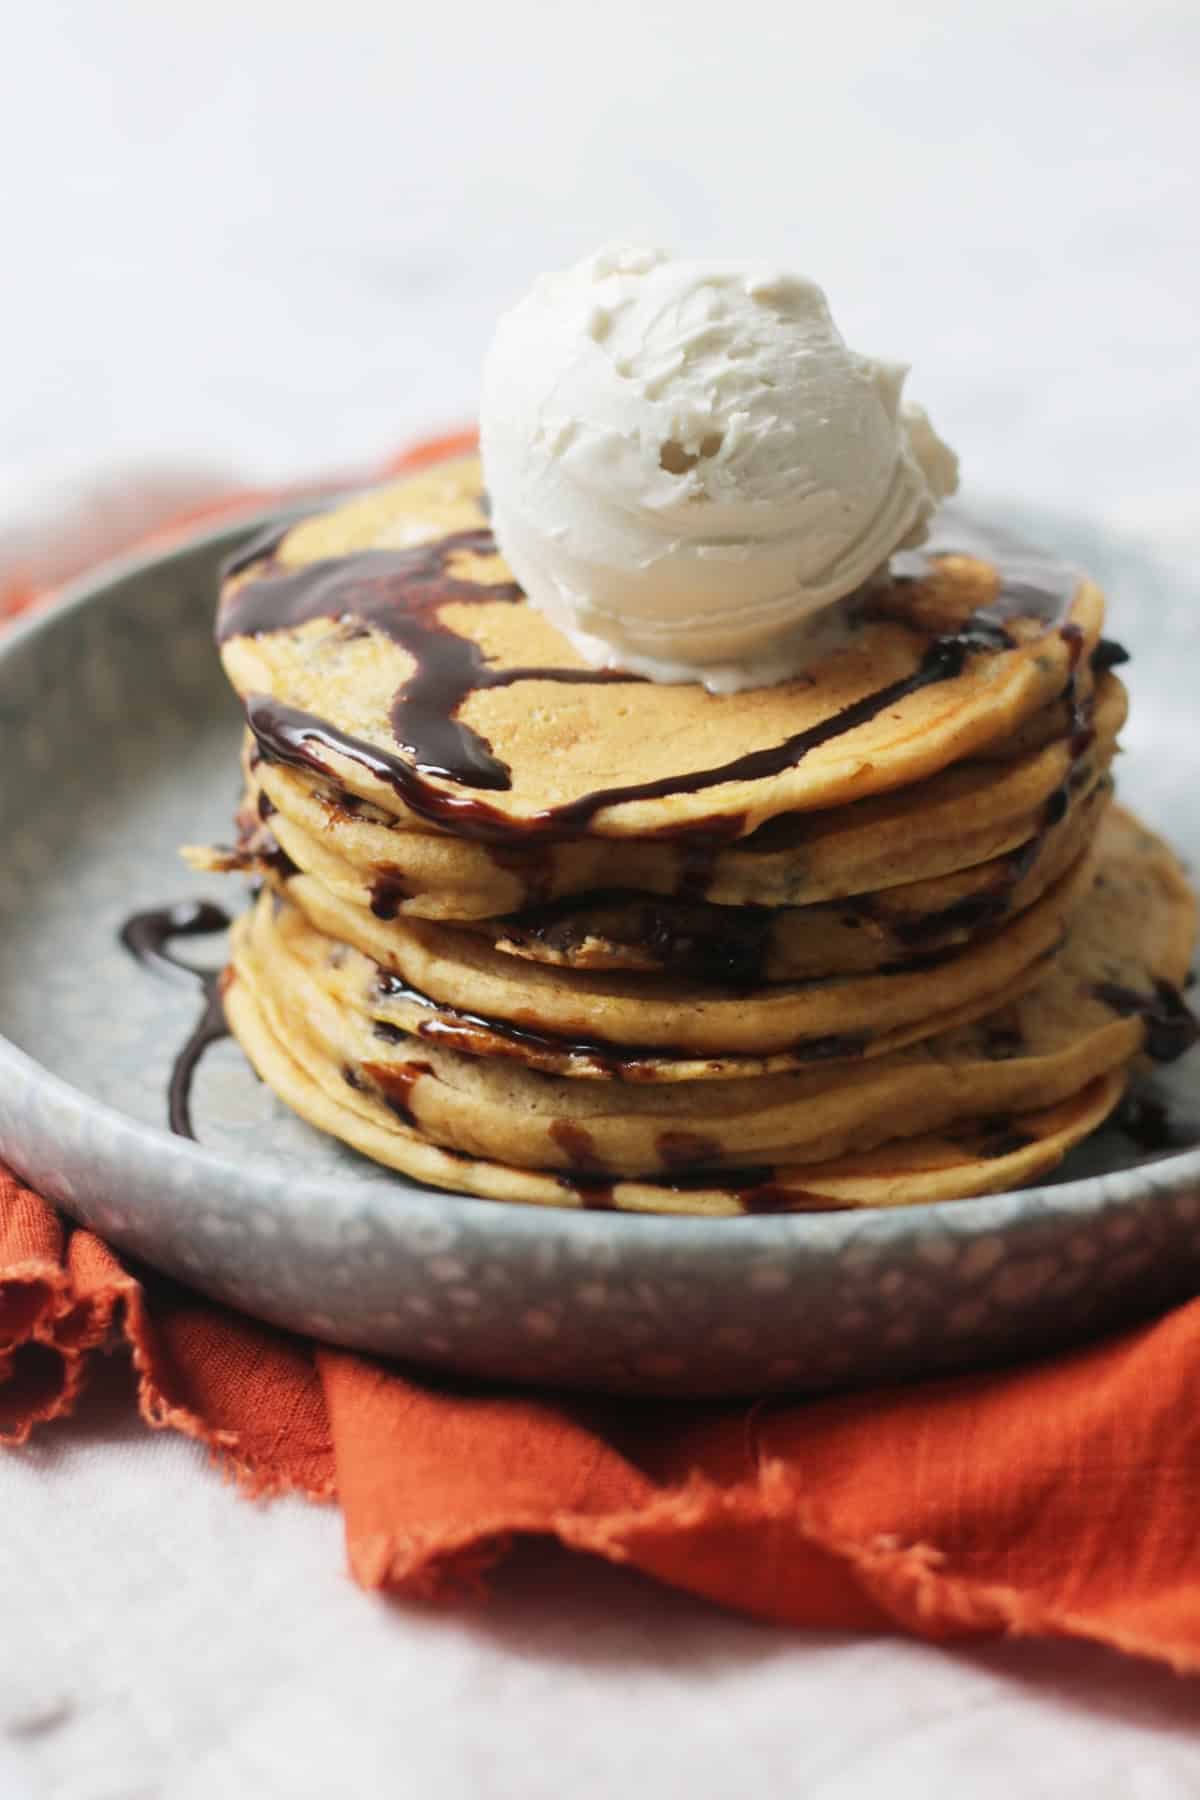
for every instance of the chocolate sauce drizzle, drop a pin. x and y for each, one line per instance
(1108, 654)
(722, 946)
(752, 1187)
(727, 946)
(1004, 1039)
(1146, 1120)
(395, 1082)
(458, 1030)
(257, 847)
(288, 735)
(998, 1138)
(400, 593)
(148, 937)
(388, 891)
(1171, 1030)
(260, 547)
(578, 1146)
(729, 949)
(595, 1193)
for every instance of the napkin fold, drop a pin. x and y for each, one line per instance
(1054, 1499)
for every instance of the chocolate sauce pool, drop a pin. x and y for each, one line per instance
(148, 937)
(400, 593)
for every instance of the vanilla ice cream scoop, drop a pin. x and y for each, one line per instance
(687, 466)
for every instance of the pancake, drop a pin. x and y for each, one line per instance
(936, 1167)
(385, 646)
(356, 982)
(743, 946)
(961, 818)
(1091, 1013)
(941, 1167)
(507, 1114)
(1111, 993)
(693, 1020)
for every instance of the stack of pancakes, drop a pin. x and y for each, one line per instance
(539, 932)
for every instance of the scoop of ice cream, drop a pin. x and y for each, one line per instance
(687, 466)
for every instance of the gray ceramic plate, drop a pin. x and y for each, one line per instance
(120, 742)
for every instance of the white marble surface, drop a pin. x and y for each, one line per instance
(268, 237)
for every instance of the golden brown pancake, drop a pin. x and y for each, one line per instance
(743, 946)
(936, 1167)
(386, 645)
(968, 815)
(356, 982)
(461, 971)
(1087, 1017)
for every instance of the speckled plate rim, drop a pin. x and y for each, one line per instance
(60, 1117)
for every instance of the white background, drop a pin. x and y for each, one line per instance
(268, 237)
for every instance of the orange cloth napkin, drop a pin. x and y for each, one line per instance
(1056, 1499)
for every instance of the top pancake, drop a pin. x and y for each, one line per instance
(952, 656)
